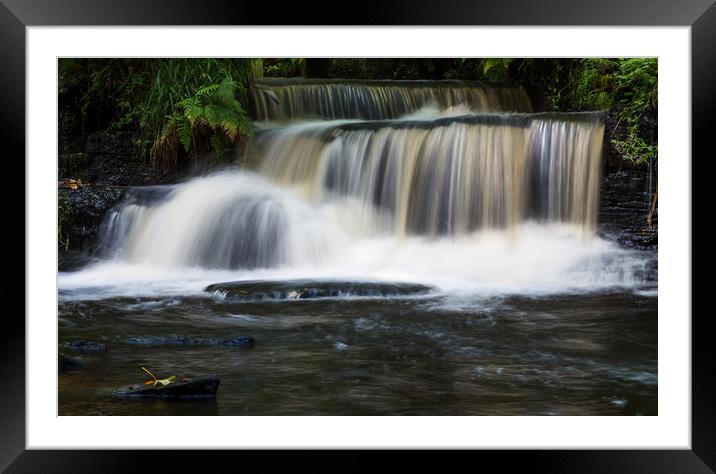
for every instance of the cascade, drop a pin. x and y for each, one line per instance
(293, 99)
(316, 192)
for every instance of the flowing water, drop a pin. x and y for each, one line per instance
(290, 99)
(447, 185)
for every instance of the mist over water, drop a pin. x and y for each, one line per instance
(538, 259)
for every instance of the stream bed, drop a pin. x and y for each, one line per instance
(585, 353)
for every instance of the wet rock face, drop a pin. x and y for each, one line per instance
(111, 158)
(624, 206)
(256, 290)
(80, 213)
(73, 165)
(197, 387)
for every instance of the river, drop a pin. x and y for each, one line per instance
(454, 186)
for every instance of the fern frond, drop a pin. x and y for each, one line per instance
(185, 134)
(206, 90)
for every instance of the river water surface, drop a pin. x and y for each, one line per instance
(443, 353)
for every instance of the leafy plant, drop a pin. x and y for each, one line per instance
(637, 89)
(145, 95)
(594, 84)
(625, 85)
(496, 68)
(284, 67)
(212, 116)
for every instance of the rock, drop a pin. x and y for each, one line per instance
(241, 341)
(85, 346)
(198, 387)
(116, 160)
(80, 213)
(642, 238)
(73, 165)
(111, 158)
(238, 341)
(252, 290)
(66, 363)
(624, 206)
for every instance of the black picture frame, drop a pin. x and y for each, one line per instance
(16, 15)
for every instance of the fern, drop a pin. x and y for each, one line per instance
(184, 129)
(627, 83)
(213, 114)
(496, 68)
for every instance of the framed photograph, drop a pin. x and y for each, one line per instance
(448, 230)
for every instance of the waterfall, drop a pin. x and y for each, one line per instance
(441, 195)
(290, 99)
(446, 176)
(226, 220)
(318, 185)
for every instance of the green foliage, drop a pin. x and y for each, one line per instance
(174, 102)
(593, 84)
(548, 79)
(376, 68)
(638, 87)
(98, 88)
(481, 69)
(148, 95)
(212, 116)
(186, 107)
(284, 67)
(496, 69)
(629, 85)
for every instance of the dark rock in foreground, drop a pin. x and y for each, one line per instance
(252, 290)
(198, 387)
(239, 341)
(66, 363)
(85, 346)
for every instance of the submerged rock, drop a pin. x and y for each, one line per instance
(238, 341)
(251, 290)
(85, 346)
(66, 363)
(197, 387)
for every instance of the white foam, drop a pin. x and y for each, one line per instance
(534, 259)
